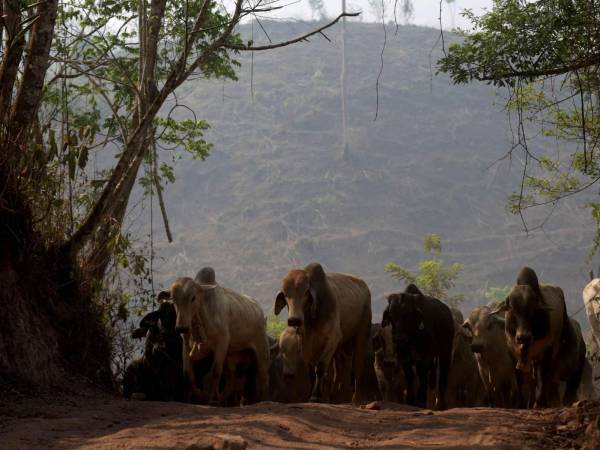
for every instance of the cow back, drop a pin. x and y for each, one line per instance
(243, 317)
(353, 300)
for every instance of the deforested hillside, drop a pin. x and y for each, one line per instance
(275, 192)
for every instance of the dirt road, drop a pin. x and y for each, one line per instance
(112, 423)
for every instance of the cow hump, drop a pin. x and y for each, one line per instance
(206, 275)
(528, 277)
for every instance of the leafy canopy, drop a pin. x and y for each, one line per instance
(545, 54)
(434, 278)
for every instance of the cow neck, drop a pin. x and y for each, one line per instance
(325, 308)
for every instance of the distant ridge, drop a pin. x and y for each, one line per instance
(275, 193)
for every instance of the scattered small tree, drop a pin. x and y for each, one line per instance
(275, 325)
(434, 278)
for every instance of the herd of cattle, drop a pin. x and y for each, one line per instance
(208, 344)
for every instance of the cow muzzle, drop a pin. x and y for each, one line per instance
(476, 347)
(523, 339)
(389, 363)
(182, 330)
(295, 322)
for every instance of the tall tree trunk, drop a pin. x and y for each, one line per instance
(31, 87)
(345, 151)
(13, 51)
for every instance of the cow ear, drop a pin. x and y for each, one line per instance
(164, 295)
(139, 333)
(467, 327)
(385, 320)
(150, 320)
(280, 303)
(313, 305)
(502, 307)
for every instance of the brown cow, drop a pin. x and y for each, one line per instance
(328, 310)
(216, 320)
(495, 363)
(388, 369)
(465, 387)
(536, 324)
(289, 372)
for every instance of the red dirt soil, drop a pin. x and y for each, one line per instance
(104, 422)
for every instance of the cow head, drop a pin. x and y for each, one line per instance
(527, 318)
(299, 294)
(383, 345)
(187, 296)
(405, 316)
(290, 349)
(482, 328)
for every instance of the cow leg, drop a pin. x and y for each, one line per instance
(230, 374)
(318, 386)
(573, 384)
(409, 376)
(262, 379)
(343, 385)
(323, 370)
(191, 391)
(546, 372)
(444, 368)
(358, 361)
(507, 394)
(220, 353)
(422, 374)
(485, 380)
(520, 394)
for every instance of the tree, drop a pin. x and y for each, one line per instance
(275, 325)
(546, 55)
(76, 78)
(434, 278)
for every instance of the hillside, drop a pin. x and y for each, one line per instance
(275, 193)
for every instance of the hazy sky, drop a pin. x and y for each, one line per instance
(426, 12)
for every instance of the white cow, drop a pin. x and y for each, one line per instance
(591, 300)
(213, 319)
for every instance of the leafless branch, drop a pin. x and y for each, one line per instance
(304, 37)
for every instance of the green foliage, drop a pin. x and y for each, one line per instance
(434, 278)
(497, 294)
(543, 53)
(275, 325)
(432, 243)
(89, 112)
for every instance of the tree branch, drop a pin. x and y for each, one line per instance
(530, 74)
(292, 41)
